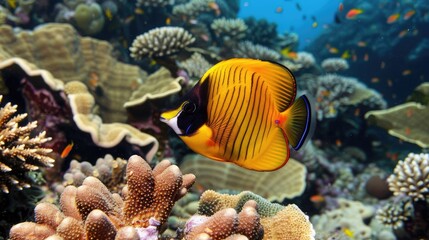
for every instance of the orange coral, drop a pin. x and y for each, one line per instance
(92, 212)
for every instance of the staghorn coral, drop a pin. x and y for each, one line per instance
(110, 171)
(20, 152)
(193, 8)
(229, 28)
(92, 212)
(105, 135)
(160, 42)
(334, 64)
(251, 50)
(284, 183)
(196, 65)
(278, 222)
(393, 214)
(154, 3)
(334, 93)
(411, 177)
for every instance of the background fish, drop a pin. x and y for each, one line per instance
(243, 111)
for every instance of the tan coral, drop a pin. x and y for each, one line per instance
(104, 134)
(92, 212)
(61, 51)
(411, 177)
(279, 222)
(196, 65)
(20, 152)
(406, 122)
(157, 86)
(287, 182)
(251, 50)
(234, 28)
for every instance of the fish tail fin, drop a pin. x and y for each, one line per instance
(300, 122)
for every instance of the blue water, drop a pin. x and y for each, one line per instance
(291, 19)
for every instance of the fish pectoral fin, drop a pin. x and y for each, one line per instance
(273, 155)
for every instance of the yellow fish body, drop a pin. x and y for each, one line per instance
(243, 111)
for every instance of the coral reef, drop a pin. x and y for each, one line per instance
(261, 31)
(92, 212)
(20, 151)
(334, 64)
(195, 66)
(227, 29)
(193, 8)
(154, 3)
(89, 18)
(106, 135)
(411, 177)
(278, 222)
(70, 57)
(251, 50)
(405, 121)
(349, 215)
(110, 171)
(284, 183)
(394, 214)
(160, 42)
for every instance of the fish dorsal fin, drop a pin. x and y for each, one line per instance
(281, 82)
(274, 155)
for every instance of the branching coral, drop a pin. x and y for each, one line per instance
(196, 65)
(394, 214)
(155, 3)
(160, 42)
(334, 64)
(229, 28)
(19, 152)
(92, 212)
(411, 177)
(250, 50)
(193, 8)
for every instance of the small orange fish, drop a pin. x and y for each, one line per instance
(357, 112)
(366, 57)
(317, 198)
(361, 44)
(139, 11)
(353, 13)
(406, 72)
(66, 150)
(168, 21)
(213, 5)
(409, 14)
(279, 10)
(333, 50)
(338, 143)
(403, 33)
(340, 7)
(393, 18)
(375, 80)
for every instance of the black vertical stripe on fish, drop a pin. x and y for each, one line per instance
(264, 117)
(220, 125)
(227, 122)
(258, 89)
(232, 131)
(249, 122)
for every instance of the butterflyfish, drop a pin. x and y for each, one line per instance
(244, 111)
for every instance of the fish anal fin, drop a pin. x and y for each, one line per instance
(273, 156)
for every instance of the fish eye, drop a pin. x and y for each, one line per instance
(189, 107)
